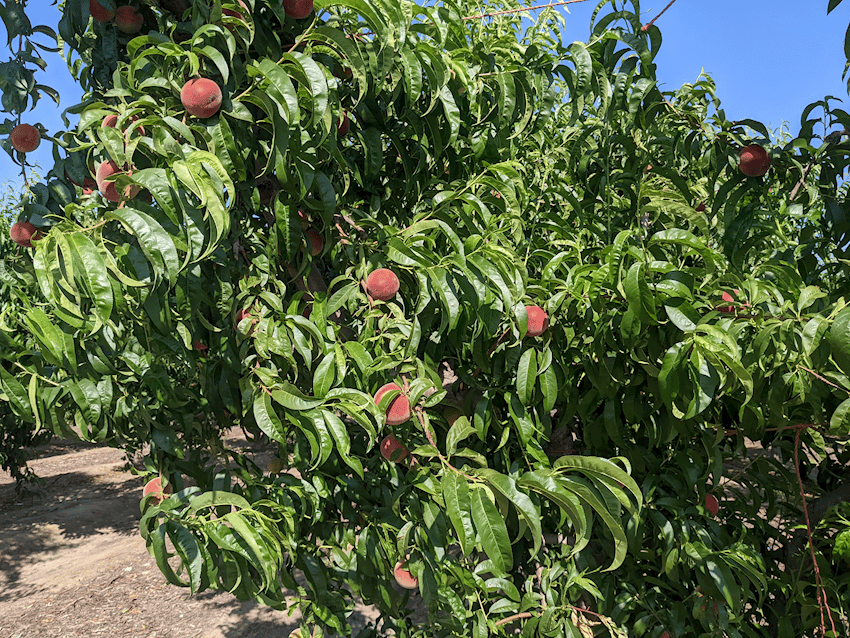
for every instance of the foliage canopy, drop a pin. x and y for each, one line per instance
(555, 485)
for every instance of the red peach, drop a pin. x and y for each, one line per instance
(399, 409)
(382, 284)
(343, 124)
(154, 487)
(393, 450)
(108, 190)
(700, 207)
(24, 233)
(201, 97)
(275, 465)
(317, 244)
(753, 161)
(25, 138)
(99, 12)
(538, 321)
(404, 578)
(129, 20)
(298, 9)
(712, 504)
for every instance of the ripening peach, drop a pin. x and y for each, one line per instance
(235, 14)
(753, 161)
(99, 12)
(538, 321)
(343, 124)
(399, 409)
(106, 170)
(201, 97)
(712, 504)
(275, 465)
(392, 450)
(24, 233)
(129, 20)
(317, 244)
(298, 9)
(155, 488)
(404, 578)
(382, 284)
(25, 138)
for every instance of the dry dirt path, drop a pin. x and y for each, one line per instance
(73, 565)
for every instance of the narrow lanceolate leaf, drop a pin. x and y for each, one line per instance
(839, 424)
(91, 271)
(839, 340)
(491, 529)
(157, 245)
(580, 516)
(615, 527)
(639, 295)
(526, 376)
(16, 394)
(186, 546)
(456, 496)
(340, 436)
(291, 397)
(525, 507)
(599, 467)
(267, 419)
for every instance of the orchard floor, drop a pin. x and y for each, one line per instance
(73, 565)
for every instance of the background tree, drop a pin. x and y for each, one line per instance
(538, 420)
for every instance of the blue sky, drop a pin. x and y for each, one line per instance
(770, 58)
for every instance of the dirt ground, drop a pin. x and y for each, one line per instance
(73, 565)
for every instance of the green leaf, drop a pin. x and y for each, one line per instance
(91, 269)
(639, 295)
(520, 500)
(839, 424)
(491, 529)
(839, 340)
(267, 418)
(456, 496)
(526, 377)
(291, 398)
(16, 395)
(186, 546)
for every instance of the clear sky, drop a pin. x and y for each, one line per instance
(770, 58)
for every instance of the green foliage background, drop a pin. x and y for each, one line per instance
(559, 481)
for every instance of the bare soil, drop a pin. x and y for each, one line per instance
(73, 565)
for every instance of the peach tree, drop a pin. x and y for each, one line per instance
(536, 347)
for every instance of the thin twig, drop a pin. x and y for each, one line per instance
(822, 601)
(817, 376)
(539, 6)
(431, 440)
(649, 24)
(505, 621)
